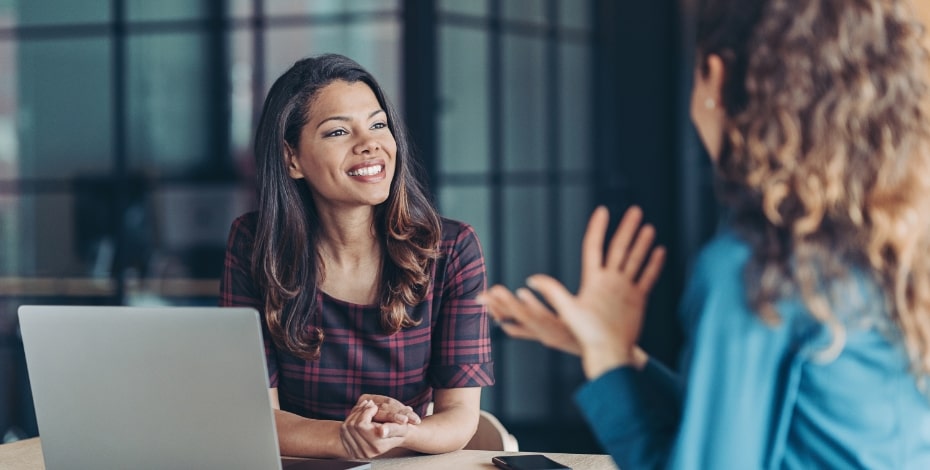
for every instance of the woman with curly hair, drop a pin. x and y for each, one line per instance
(367, 295)
(808, 313)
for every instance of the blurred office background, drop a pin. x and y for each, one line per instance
(126, 126)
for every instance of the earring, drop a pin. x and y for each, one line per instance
(710, 103)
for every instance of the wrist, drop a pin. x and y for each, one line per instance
(598, 361)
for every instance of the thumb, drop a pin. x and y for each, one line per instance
(553, 292)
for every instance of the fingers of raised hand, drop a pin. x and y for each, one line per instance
(619, 249)
(637, 253)
(552, 291)
(652, 270)
(592, 245)
(503, 306)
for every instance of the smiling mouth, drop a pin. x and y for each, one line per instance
(367, 170)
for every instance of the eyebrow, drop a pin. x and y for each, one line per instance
(346, 118)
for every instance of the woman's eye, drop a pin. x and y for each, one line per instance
(335, 133)
(379, 125)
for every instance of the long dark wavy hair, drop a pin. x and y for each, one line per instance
(825, 162)
(286, 261)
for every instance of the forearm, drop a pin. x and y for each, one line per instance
(304, 437)
(447, 430)
(634, 413)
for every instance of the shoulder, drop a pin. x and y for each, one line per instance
(246, 222)
(721, 261)
(716, 276)
(243, 228)
(457, 235)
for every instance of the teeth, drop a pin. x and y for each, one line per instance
(367, 171)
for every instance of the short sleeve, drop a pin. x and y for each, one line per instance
(238, 288)
(461, 345)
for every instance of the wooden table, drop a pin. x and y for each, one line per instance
(27, 455)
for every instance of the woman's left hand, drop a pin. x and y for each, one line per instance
(523, 316)
(364, 438)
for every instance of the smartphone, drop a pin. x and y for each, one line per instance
(527, 462)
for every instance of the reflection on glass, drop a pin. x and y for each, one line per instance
(169, 112)
(463, 93)
(65, 107)
(524, 81)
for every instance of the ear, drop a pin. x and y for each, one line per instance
(292, 162)
(708, 81)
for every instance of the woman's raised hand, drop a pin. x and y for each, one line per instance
(603, 320)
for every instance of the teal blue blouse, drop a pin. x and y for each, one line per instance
(752, 395)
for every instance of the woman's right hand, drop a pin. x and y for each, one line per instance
(365, 438)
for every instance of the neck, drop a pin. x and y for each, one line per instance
(349, 238)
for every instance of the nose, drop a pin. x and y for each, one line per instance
(367, 144)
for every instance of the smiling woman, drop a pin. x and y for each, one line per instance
(367, 295)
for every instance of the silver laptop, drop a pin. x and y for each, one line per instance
(162, 387)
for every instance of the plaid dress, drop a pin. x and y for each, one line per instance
(450, 348)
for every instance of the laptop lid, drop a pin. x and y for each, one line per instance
(162, 387)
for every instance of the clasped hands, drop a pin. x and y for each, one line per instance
(376, 425)
(602, 322)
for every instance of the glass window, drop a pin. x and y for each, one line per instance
(524, 106)
(468, 7)
(147, 10)
(57, 12)
(524, 10)
(376, 45)
(241, 9)
(9, 110)
(7, 13)
(575, 14)
(526, 233)
(574, 201)
(463, 106)
(47, 240)
(243, 105)
(169, 110)
(470, 205)
(526, 372)
(65, 120)
(192, 225)
(575, 124)
(303, 7)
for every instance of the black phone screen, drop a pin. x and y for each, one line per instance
(527, 462)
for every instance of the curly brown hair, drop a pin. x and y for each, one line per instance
(826, 165)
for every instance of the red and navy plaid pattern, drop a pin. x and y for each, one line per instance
(450, 348)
